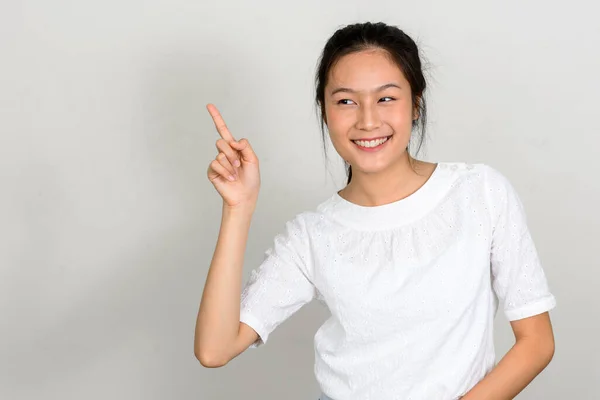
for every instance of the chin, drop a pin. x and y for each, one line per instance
(370, 169)
(377, 166)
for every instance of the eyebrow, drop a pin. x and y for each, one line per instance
(379, 89)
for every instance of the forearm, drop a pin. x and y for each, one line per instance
(217, 324)
(526, 359)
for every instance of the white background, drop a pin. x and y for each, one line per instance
(108, 223)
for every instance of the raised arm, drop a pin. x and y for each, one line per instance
(219, 335)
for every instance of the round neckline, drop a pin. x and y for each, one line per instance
(396, 213)
(416, 193)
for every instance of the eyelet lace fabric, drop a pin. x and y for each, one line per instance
(412, 286)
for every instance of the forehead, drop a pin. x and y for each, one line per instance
(365, 70)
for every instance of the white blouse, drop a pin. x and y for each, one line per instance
(412, 286)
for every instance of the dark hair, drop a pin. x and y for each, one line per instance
(365, 36)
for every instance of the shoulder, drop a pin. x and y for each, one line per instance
(478, 174)
(484, 181)
(497, 185)
(493, 187)
(484, 185)
(305, 222)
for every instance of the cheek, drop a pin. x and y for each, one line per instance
(336, 116)
(401, 115)
(338, 123)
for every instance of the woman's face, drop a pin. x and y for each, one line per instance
(369, 111)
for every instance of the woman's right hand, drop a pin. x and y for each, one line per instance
(234, 172)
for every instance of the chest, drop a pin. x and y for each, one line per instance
(381, 281)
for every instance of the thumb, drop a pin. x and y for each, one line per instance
(243, 146)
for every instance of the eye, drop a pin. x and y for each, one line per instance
(387, 99)
(345, 102)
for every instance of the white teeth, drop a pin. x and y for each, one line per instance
(370, 143)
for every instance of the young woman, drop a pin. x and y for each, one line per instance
(411, 258)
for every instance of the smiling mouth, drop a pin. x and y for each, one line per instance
(372, 143)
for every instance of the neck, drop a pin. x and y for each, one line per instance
(398, 181)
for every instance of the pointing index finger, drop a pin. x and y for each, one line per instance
(219, 123)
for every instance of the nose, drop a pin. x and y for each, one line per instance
(368, 118)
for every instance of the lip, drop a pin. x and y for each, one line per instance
(373, 149)
(373, 138)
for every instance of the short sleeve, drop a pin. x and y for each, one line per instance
(518, 278)
(281, 285)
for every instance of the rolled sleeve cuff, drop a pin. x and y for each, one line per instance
(531, 309)
(254, 323)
